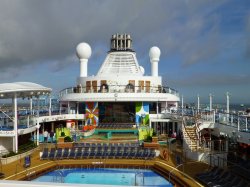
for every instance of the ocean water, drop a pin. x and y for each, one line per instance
(219, 106)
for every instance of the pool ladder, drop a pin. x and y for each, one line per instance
(139, 179)
(58, 177)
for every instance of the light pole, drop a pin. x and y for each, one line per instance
(198, 103)
(228, 97)
(210, 101)
(182, 105)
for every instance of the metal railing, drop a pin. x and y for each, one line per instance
(119, 89)
(240, 122)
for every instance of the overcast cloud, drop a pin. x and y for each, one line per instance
(38, 39)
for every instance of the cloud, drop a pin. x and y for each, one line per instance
(248, 36)
(193, 35)
(33, 31)
(206, 80)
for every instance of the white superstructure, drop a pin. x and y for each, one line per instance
(120, 78)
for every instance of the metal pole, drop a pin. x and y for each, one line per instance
(157, 109)
(198, 103)
(246, 124)
(77, 108)
(227, 94)
(49, 106)
(14, 100)
(182, 105)
(31, 104)
(37, 131)
(210, 100)
(68, 108)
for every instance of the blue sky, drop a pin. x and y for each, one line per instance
(205, 45)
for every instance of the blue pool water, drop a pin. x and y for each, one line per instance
(107, 176)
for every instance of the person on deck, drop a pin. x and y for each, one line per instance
(51, 134)
(45, 136)
(174, 135)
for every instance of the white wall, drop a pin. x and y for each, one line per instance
(96, 97)
(6, 143)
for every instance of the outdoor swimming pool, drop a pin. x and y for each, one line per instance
(107, 176)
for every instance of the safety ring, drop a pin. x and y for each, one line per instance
(165, 154)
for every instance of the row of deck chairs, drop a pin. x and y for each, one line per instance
(217, 177)
(115, 126)
(81, 144)
(112, 152)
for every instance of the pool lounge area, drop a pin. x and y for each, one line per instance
(15, 170)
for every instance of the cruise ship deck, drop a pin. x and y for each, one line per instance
(120, 118)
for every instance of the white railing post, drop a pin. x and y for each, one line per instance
(246, 124)
(198, 103)
(182, 105)
(50, 106)
(210, 101)
(238, 123)
(28, 121)
(214, 116)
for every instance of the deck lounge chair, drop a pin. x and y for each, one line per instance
(52, 153)
(125, 154)
(240, 183)
(45, 154)
(92, 152)
(112, 154)
(85, 153)
(65, 153)
(152, 154)
(119, 154)
(59, 154)
(221, 180)
(79, 153)
(99, 153)
(208, 172)
(72, 153)
(87, 144)
(214, 179)
(236, 181)
(211, 174)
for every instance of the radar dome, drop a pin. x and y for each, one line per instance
(154, 53)
(83, 51)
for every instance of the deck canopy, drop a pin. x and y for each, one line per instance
(22, 90)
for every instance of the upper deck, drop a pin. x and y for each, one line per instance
(127, 92)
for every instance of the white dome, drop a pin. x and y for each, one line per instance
(142, 70)
(83, 51)
(154, 53)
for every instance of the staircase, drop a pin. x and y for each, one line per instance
(190, 136)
